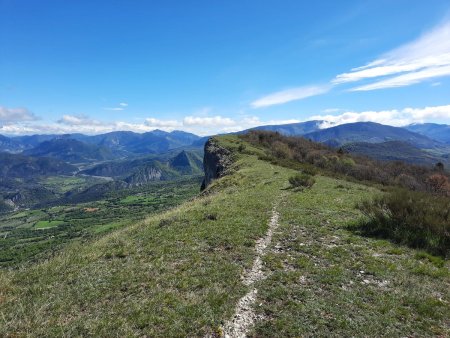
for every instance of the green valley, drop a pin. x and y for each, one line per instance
(32, 235)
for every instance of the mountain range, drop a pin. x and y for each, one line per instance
(372, 133)
(156, 141)
(420, 143)
(439, 132)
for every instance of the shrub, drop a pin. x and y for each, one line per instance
(407, 181)
(417, 219)
(281, 150)
(310, 170)
(438, 184)
(439, 167)
(302, 180)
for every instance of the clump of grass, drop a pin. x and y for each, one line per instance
(302, 180)
(417, 219)
(167, 222)
(437, 261)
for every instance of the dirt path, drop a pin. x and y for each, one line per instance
(244, 316)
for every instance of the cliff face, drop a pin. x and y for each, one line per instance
(215, 162)
(144, 176)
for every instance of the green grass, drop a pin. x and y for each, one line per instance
(24, 214)
(48, 224)
(177, 273)
(148, 200)
(324, 280)
(106, 227)
(21, 214)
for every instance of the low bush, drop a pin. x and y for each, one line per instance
(417, 219)
(302, 180)
(310, 170)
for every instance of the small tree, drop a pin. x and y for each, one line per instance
(439, 167)
(281, 150)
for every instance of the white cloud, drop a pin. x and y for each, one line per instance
(164, 124)
(214, 121)
(114, 108)
(428, 57)
(16, 114)
(425, 58)
(121, 106)
(200, 125)
(406, 79)
(332, 110)
(78, 120)
(217, 124)
(289, 95)
(392, 117)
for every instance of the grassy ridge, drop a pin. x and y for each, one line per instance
(178, 273)
(175, 274)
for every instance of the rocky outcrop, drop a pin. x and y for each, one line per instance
(143, 176)
(216, 161)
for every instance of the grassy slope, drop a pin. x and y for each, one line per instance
(326, 280)
(178, 273)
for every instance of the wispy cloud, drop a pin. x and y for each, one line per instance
(392, 117)
(332, 110)
(425, 58)
(16, 114)
(289, 95)
(121, 106)
(163, 124)
(208, 121)
(113, 108)
(406, 79)
(78, 120)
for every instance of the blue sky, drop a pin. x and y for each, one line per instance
(218, 66)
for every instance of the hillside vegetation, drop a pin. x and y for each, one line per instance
(185, 272)
(71, 150)
(395, 151)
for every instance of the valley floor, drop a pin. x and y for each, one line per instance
(184, 272)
